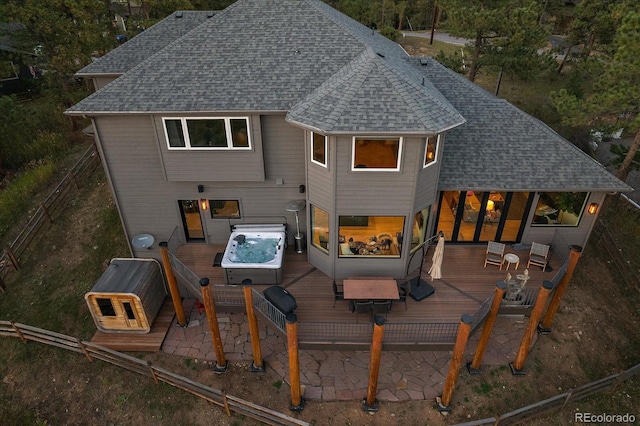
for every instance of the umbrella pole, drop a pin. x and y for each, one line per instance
(420, 289)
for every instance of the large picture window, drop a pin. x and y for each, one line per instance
(224, 209)
(207, 133)
(559, 208)
(374, 154)
(319, 149)
(431, 150)
(320, 228)
(377, 236)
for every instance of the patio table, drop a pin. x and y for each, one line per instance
(370, 289)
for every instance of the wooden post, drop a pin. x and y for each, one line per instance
(474, 367)
(370, 404)
(518, 365)
(173, 285)
(297, 403)
(12, 258)
(214, 328)
(464, 329)
(152, 371)
(84, 349)
(545, 326)
(258, 364)
(18, 332)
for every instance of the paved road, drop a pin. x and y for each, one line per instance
(443, 37)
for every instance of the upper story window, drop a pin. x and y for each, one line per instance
(319, 149)
(377, 154)
(207, 133)
(431, 150)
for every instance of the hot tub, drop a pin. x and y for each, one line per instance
(255, 252)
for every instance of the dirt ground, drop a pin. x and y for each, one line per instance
(594, 335)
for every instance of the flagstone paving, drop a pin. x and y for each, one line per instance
(339, 375)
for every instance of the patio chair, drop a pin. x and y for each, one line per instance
(403, 290)
(539, 255)
(381, 307)
(338, 294)
(495, 254)
(362, 307)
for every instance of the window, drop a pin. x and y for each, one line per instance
(376, 154)
(319, 149)
(419, 232)
(320, 228)
(431, 150)
(207, 133)
(370, 236)
(106, 307)
(559, 208)
(224, 209)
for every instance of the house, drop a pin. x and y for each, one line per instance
(205, 119)
(18, 68)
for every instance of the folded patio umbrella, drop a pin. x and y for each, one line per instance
(435, 271)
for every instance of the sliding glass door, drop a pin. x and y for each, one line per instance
(480, 216)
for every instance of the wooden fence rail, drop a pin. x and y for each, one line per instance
(92, 351)
(606, 241)
(46, 212)
(557, 402)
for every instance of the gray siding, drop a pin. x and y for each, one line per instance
(100, 82)
(213, 166)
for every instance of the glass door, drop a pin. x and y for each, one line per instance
(191, 220)
(480, 216)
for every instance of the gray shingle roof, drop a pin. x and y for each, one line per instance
(375, 94)
(146, 44)
(246, 59)
(501, 146)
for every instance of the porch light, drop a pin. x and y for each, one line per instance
(203, 204)
(593, 208)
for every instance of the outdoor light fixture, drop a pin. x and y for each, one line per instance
(201, 188)
(593, 208)
(203, 204)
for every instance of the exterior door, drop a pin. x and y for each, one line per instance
(481, 216)
(191, 220)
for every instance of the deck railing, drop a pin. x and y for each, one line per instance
(269, 311)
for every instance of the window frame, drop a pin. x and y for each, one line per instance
(354, 141)
(426, 150)
(559, 213)
(187, 139)
(325, 149)
(346, 239)
(217, 216)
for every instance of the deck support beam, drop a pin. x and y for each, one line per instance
(370, 404)
(474, 366)
(212, 317)
(258, 364)
(464, 330)
(297, 402)
(173, 285)
(545, 326)
(517, 366)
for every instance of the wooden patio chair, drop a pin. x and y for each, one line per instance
(338, 294)
(495, 254)
(363, 307)
(539, 255)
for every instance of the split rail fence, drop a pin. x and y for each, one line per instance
(92, 351)
(46, 212)
(556, 403)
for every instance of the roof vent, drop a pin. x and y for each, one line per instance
(424, 62)
(423, 81)
(210, 14)
(380, 54)
(178, 15)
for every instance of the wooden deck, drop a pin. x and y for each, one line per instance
(140, 342)
(464, 286)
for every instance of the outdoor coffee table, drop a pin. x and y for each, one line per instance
(512, 258)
